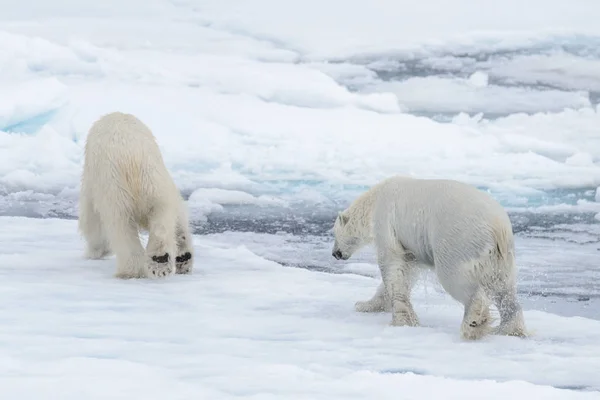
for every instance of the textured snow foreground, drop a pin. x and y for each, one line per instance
(245, 327)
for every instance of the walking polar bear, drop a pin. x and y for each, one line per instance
(460, 232)
(126, 187)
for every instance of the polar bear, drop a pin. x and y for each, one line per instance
(456, 230)
(126, 187)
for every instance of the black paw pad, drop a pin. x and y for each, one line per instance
(161, 259)
(186, 257)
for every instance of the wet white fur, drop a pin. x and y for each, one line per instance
(125, 188)
(458, 231)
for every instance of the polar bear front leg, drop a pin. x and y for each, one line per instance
(162, 247)
(378, 303)
(396, 275)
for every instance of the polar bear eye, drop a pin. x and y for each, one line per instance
(352, 241)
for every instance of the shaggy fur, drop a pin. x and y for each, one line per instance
(126, 187)
(460, 232)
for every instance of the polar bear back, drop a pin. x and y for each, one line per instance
(122, 152)
(436, 218)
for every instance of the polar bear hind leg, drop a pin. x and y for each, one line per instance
(464, 283)
(512, 322)
(123, 235)
(92, 229)
(184, 261)
(477, 321)
(473, 285)
(162, 247)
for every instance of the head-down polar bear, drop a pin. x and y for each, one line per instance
(460, 232)
(126, 187)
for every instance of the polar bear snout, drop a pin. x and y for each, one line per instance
(337, 254)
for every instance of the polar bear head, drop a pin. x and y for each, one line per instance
(348, 237)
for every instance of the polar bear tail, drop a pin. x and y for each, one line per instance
(504, 241)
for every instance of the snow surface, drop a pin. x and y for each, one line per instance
(272, 115)
(245, 327)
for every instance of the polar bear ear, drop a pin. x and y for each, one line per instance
(343, 218)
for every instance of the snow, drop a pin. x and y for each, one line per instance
(474, 95)
(556, 68)
(206, 201)
(27, 100)
(257, 97)
(245, 327)
(479, 79)
(222, 196)
(271, 117)
(365, 26)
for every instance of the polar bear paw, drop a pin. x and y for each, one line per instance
(514, 327)
(405, 318)
(183, 263)
(160, 266)
(476, 326)
(369, 306)
(97, 253)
